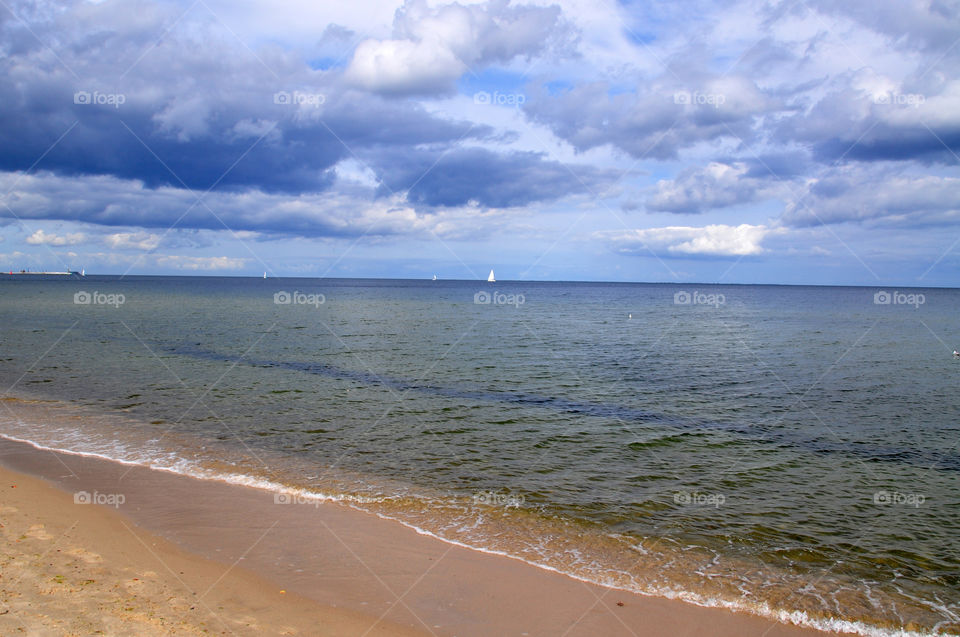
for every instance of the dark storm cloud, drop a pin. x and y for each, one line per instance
(112, 202)
(250, 144)
(176, 113)
(477, 175)
(884, 143)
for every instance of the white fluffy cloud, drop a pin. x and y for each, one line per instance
(433, 47)
(403, 66)
(40, 238)
(713, 240)
(133, 241)
(716, 186)
(200, 263)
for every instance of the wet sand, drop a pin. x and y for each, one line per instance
(168, 554)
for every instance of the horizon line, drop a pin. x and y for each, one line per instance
(7, 275)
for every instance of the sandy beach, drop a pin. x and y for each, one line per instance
(185, 556)
(81, 570)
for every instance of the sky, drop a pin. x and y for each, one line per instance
(795, 142)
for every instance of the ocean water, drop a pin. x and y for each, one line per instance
(788, 451)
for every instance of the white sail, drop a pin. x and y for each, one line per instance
(490, 277)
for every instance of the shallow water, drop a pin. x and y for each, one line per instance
(779, 449)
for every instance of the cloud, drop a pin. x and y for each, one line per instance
(200, 263)
(714, 240)
(726, 183)
(718, 185)
(332, 121)
(433, 47)
(40, 238)
(869, 117)
(144, 241)
(930, 26)
(108, 201)
(861, 195)
(196, 111)
(485, 178)
(405, 67)
(657, 119)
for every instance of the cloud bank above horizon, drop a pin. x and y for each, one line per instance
(758, 141)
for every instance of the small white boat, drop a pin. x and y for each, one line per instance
(490, 278)
(264, 275)
(434, 277)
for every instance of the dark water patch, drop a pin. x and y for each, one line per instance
(761, 433)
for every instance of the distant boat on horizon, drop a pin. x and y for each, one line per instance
(434, 277)
(490, 278)
(264, 275)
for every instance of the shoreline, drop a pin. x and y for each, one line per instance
(351, 566)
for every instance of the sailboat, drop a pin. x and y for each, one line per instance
(264, 275)
(434, 277)
(490, 278)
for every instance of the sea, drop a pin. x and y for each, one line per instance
(787, 451)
